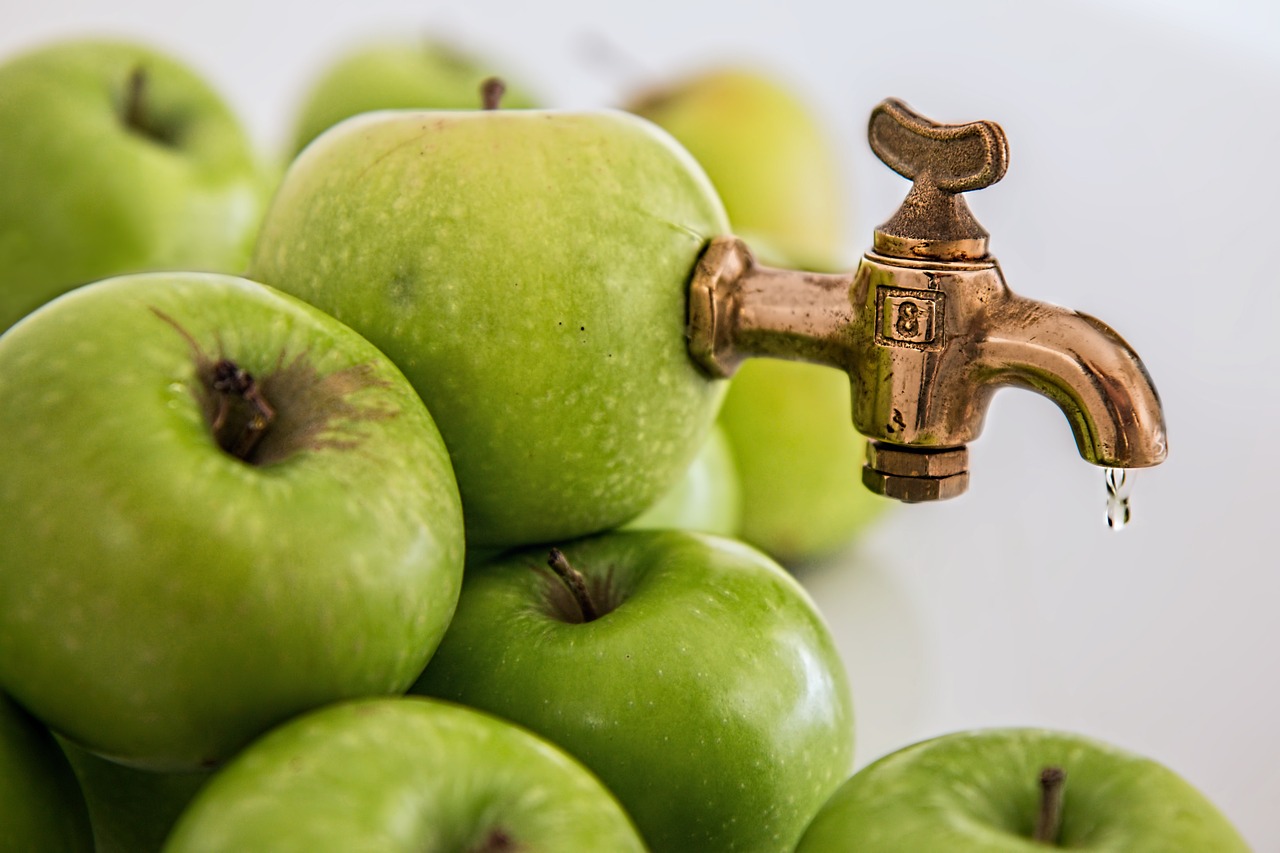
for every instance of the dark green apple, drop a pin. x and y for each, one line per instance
(397, 74)
(131, 810)
(690, 673)
(115, 158)
(41, 808)
(706, 499)
(982, 792)
(528, 271)
(404, 774)
(218, 508)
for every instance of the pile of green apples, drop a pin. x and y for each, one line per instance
(384, 508)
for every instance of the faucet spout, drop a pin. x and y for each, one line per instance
(1081, 364)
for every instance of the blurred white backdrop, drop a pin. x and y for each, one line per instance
(1142, 188)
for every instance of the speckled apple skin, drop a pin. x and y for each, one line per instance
(163, 602)
(711, 700)
(404, 774)
(528, 271)
(979, 792)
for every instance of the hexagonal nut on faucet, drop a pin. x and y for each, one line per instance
(916, 475)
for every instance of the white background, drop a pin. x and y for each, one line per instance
(1142, 188)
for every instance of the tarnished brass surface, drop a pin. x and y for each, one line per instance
(926, 327)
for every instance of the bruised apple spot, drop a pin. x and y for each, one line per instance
(498, 840)
(265, 419)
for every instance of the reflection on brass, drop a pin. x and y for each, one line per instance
(926, 327)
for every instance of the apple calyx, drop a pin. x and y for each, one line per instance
(1049, 821)
(574, 582)
(491, 92)
(497, 841)
(136, 112)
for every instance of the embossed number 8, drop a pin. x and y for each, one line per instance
(908, 322)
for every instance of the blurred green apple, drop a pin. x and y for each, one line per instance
(706, 499)
(528, 271)
(981, 792)
(799, 459)
(115, 158)
(41, 808)
(692, 674)
(219, 507)
(398, 74)
(131, 810)
(403, 774)
(766, 153)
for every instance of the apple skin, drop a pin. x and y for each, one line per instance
(404, 774)
(710, 699)
(162, 602)
(528, 271)
(83, 197)
(397, 75)
(979, 791)
(766, 153)
(130, 810)
(707, 498)
(799, 460)
(41, 808)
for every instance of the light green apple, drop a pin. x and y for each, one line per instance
(115, 158)
(691, 673)
(404, 774)
(981, 792)
(789, 424)
(767, 154)
(528, 271)
(41, 808)
(218, 508)
(706, 499)
(130, 810)
(396, 74)
(799, 459)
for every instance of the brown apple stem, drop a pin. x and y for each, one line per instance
(577, 585)
(1049, 822)
(491, 92)
(235, 435)
(135, 100)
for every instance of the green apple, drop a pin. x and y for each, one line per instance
(789, 424)
(691, 673)
(116, 159)
(403, 774)
(707, 498)
(766, 153)
(528, 271)
(131, 810)
(799, 459)
(983, 791)
(218, 508)
(41, 808)
(394, 75)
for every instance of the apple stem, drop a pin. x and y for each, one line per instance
(575, 582)
(231, 382)
(491, 92)
(135, 101)
(1049, 823)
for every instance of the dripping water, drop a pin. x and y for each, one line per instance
(1119, 492)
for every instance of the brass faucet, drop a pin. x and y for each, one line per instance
(926, 327)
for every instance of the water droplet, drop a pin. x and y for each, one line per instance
(1119, 492)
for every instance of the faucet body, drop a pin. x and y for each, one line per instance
(926, 327)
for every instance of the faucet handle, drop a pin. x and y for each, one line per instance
(942, 161)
